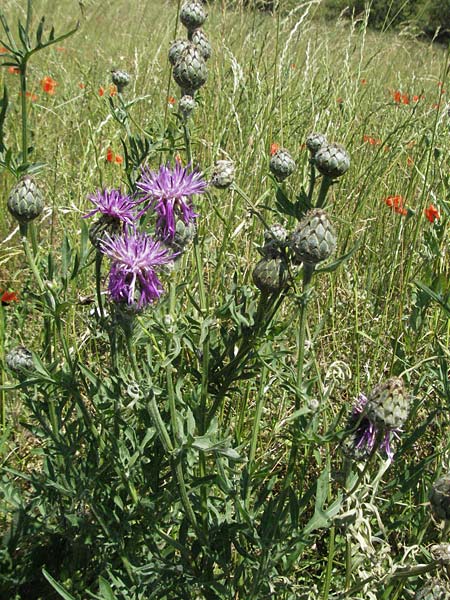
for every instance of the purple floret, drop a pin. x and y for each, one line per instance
(113, 203)
(169, 192)
(132, 277)
(367, 433)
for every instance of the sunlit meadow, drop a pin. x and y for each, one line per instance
(222, 379)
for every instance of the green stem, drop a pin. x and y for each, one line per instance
(176, 465)
(312, 180)
(323, 191)
(187, 140)
(257, 421)
(328, 573)
(98, 282)
(2, 362)
(23, 102)
(308, 271)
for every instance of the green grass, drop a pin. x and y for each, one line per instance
(272, 79)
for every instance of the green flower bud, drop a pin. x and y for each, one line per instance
(282, 164)
(25, 201)
(314, 240)
(332, 160)
(270, 275)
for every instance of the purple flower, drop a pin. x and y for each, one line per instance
(113, 204)
(366, 434)
(132, 277)
(170, 192)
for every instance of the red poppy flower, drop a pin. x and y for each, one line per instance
(8, 297)
(409, 161)
(274, 148)
(109, 155)
(372, 141)
(397, 204)
(432, 213)
(81, 86)
(397, 96)
(48, 85)
(363, 81)
(101, 91)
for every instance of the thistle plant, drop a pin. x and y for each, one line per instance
(148, 404)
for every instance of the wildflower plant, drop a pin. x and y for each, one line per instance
(149, 399)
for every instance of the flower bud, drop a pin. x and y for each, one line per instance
(332, 160)
(120, 79)
(25, 201)
(282, 164)
(314, 239)
(223, 174)
(270, 275)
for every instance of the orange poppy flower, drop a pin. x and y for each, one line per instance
(3, 50)
(33, 97)
(118, 159)
(178, 158)
(13, 70)
(101, 91)
(274, 148)
(8, 297)
(432, 213)
(372, 141)
(397, 204)
(112, 90)
(171, 100)
(48, 85)
(409, 161)
(363, 81)
(109, 155)
(81, 86)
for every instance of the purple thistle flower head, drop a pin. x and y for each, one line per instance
(132, 277)
(366, 434)
(114, 204)
(169, 192)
